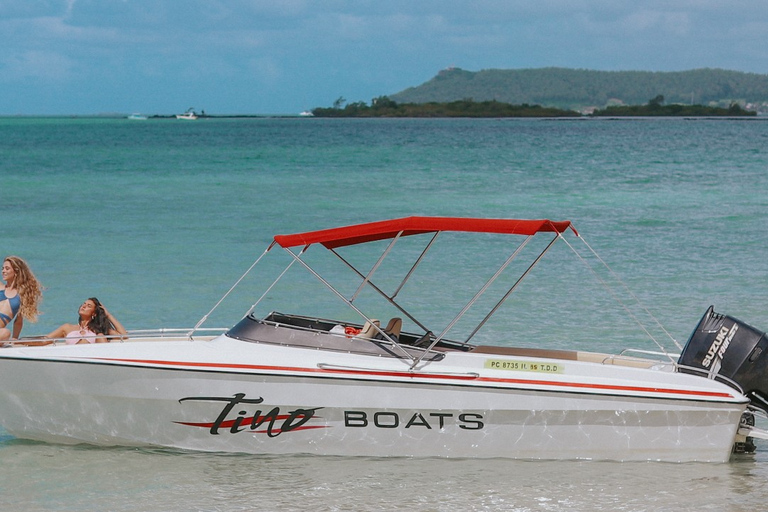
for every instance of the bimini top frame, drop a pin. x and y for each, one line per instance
(334, 238)
(382, 230)
(396, 228)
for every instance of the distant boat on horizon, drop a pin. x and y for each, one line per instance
(189, 114)
(137, 117)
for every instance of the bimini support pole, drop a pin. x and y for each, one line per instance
(623, 303)
(367, 277)
(340, 295)
(205, 317)
(275, 281)
(391, 299)
(474, 299)
(511, 289)
(415, 264)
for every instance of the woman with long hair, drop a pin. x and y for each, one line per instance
(94, 325)
(19, 296)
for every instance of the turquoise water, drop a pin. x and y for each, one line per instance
(159, 218)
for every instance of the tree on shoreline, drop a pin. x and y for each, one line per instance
(656, 107)
(384, 106)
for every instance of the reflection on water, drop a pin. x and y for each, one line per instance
(87, 478)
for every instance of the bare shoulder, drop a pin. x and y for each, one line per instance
(63, 330)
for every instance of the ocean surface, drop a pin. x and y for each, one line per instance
(159, 218)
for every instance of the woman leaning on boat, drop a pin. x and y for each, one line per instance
(94, 325)
(19, 296)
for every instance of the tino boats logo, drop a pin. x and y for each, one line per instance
(236, 417)
(273, 423)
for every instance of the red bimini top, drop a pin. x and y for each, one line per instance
(381, 230)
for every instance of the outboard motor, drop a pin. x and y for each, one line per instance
(722, 346)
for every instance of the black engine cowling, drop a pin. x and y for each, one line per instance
(724, 346)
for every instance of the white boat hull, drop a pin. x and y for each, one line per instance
(204, 395)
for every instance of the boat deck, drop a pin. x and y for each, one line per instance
(329, 334)
(317, 333)
(567, 355)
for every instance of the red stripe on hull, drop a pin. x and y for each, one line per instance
(446, 377)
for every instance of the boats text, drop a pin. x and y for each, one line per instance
(389, 419)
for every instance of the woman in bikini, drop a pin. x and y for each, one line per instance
(95, 325)
(19, 297)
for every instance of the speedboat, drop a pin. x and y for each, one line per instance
(137, 117)
(189, 115)
(359, 383)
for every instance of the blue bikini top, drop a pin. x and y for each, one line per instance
(15, 303)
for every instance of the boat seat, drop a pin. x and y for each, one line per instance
(425, 340)
(369, 331)
(394, 327)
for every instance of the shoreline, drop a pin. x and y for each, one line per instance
(172, 117)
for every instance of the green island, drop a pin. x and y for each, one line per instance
(383, 106)
(656, 107)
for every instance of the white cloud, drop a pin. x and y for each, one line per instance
(48, 66)
(265, 70)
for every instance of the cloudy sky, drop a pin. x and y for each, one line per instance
(285, 56)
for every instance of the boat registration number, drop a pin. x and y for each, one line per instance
(523, 366)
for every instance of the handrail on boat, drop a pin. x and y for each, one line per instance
(409, 371)
(131, 335)
(649, 352)
(166, 330)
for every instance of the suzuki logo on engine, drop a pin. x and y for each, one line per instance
(720, 345)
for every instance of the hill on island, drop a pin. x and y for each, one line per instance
(578, 89)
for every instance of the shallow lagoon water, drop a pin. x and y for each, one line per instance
(49, 477)
(159, 218)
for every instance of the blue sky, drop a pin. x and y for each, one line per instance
(285, 56)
